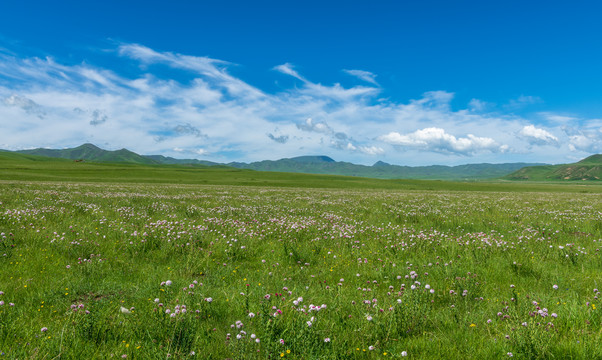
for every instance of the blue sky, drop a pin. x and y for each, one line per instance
(406, 82)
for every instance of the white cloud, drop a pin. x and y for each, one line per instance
(588, 141)
(372, 150)
(537, 136)
(310, 125)
(435, 99)
(288, 70)
(556, 118)
(28, 105)
(211, 113)
(522, 101)
(367, 76)
(200, 64)
(436, 139)
(199, 152)
(213, 69)
(337, 92)
(478, 105)
(338, 140)
(350, 146)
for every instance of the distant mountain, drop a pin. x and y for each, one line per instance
(317, 164)
(381, 163)
(382, 170)
(160, 159)
(92, 153)
(313, 159)
(589, 168)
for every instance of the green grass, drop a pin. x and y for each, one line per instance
(98, 237)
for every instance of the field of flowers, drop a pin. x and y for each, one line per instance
(216, 272)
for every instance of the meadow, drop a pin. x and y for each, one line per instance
(155, 271)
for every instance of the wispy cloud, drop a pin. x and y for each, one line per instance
(213, 69)
(522, 101)
(367, 76)
(479, 105)
(288, 70)
(557, 118)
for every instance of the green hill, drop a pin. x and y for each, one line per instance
(588, 169)
(594, 160)
(91, 152)
(318, 164)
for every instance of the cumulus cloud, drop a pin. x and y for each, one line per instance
(436, 139)
(537, 136)
(367, 76)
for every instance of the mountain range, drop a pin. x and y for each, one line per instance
(302, 164)
(382, 170)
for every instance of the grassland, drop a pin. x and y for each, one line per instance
(142, 262)
(17, 167)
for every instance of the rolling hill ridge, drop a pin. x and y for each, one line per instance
(318, 164)
(589, 168)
